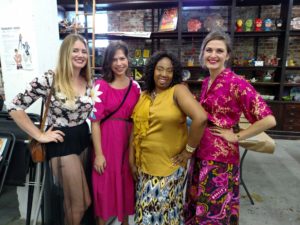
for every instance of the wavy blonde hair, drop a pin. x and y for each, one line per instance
(64, 68)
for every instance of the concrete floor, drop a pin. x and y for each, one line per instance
(273, 182)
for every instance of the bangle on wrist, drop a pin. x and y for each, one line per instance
(189, 149)
(238, 136)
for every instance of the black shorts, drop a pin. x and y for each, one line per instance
(76, 140)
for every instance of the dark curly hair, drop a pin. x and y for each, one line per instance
(148, 77)
(109, 54)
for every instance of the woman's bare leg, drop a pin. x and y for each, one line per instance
(100, 221)
(125, 221)
(68, 169)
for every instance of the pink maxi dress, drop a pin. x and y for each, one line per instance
(113, 191)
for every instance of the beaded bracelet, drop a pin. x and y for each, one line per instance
(189, 149)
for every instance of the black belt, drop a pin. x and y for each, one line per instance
(129, 120)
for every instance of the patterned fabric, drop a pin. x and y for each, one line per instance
(114, 189)
(160, 132)
(213, 196)
(66, 190)
(62, 112)
(159, 199)
(228, 97)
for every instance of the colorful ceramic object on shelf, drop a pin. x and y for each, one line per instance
(297, 79)
(295, 93)
(239, 25)
(268, 77)
(268, 24)
(248, 25)
(291, 62)
(295, 23)
(214, 21)
(186, 74)
(194, 25)
(258, 24)
(190, 61)
(278, 23)
(146, 55)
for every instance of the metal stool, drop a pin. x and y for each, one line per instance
(241, 176)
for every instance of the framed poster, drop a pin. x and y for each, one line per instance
(168, 20)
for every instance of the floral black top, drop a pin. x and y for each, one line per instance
(62, 112)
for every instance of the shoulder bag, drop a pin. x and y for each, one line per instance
(261, 142)
(37, 149)
(113, 112)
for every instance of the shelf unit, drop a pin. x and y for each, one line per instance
(183, 39)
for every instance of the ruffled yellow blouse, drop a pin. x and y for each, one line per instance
(160, 132)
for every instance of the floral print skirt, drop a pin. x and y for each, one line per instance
(159, 200)
(212, 196)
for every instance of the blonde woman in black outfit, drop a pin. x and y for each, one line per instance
(67, 133)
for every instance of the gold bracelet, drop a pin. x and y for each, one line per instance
(189, 149)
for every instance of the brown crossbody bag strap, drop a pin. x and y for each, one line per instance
(44, 115)
(37, 149)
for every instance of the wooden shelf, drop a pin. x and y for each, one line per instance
(257, 2)
(294, 33)
(255, 67)
(193, 81)
(165, 35)
(154, 35)
(276, 33)
(193, 3)
(174, 35)
(145, 4)
(292, 68)
(252, 83)
(121, 5)
(258, 83)
(137, 67)
(229, 2)
(193, 68)
(182, 38)
(283, 102)
(291, 84)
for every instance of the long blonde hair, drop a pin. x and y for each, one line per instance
(64, 68)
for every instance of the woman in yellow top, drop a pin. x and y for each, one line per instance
(161, 143)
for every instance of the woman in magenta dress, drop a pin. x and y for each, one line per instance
(113, 186)
(213, 186)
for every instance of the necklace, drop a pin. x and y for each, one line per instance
(153, 94)
(209, 84)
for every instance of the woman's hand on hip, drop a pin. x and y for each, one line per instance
(227, 134)
(182, 157)
(51, 136)
(100, 163)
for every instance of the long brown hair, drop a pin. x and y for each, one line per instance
(109, 54)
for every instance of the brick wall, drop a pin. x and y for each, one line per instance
(294, 42)
(140, 20)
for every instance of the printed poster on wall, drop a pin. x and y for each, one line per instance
(16, 51)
